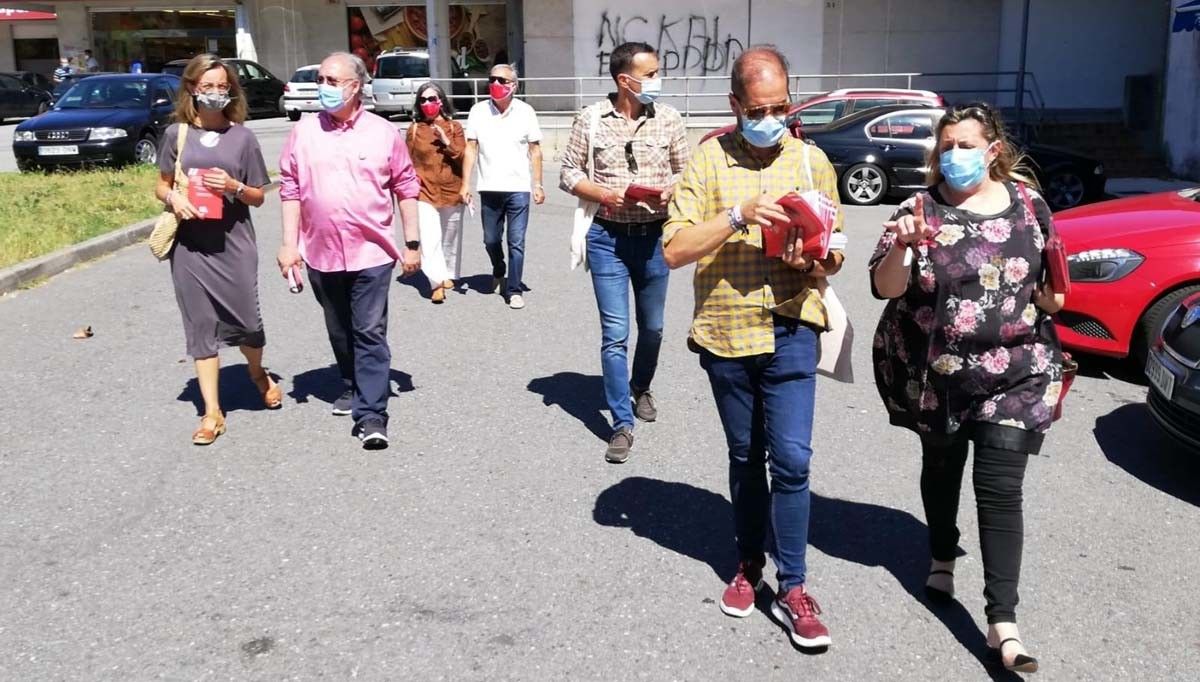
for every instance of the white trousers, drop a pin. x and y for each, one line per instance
(441, 241)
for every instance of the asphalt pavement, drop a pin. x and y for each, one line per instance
(492, 541)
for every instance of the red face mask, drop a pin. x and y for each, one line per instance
(431, 109)
(499, 91)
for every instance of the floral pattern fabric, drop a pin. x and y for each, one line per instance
(966, 343)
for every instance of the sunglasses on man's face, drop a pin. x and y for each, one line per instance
(758, 113)
(326, 80)
(429, 100)
(499, 79)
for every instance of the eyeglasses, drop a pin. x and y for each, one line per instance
(758, 113)
(499, 79)
(629, 159)
(428, 100)
(213, 87)
(325, 80)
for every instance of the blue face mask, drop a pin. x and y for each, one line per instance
(765, 132)
(964, 169)
(332, 98)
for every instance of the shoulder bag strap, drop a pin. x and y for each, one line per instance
(808, 166)
(1047, 230)
(593, 123)
(179, 139)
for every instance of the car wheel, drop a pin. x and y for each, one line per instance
(1064, 189)
(146, 151)
(1152, 321)
(864, 184)
(294, 115)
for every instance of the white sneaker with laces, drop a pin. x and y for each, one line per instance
(516, 302)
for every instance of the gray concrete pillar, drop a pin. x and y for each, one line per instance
(437, 20)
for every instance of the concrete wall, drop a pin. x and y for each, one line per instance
(8, 60)
(74, 28)
(1082, 50)
(1181, 115)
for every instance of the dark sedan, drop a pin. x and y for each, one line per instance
(1173, 368)
(884, 151)
(264, 91)
(20, 96)
(70, 80)
(101, 120)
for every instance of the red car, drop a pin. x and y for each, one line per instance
(1132, 262)
(831, 106)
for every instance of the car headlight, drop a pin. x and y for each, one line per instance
(1103, 265)
(108, 133)
(24, 136)
(1099, 169)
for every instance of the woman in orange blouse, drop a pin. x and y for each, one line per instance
(436, 143)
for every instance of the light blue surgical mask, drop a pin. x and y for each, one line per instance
(765, 132)
(651, 89)
(964, 169)
(331, 97)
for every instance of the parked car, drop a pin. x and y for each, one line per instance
(35, 80)
(70, 80)
(831, 106)
(263, 90)
(397, 74)
(883, 151)
(1174, 372)
(1132, 262)
(21, 99)
(101, 120)
(300, 93)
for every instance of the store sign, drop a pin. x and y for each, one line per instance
(1187, 17)
(478, 33)
(22, 15)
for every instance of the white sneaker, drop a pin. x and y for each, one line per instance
(516, 302)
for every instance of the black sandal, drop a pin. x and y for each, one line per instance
(1021, 663)
(934, 594)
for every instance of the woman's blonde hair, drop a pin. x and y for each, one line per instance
(1009, 163)
(185, 105)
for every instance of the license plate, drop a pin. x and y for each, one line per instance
(1160, 377)
(59, 150)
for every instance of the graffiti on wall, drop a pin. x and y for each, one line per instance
(690, 44)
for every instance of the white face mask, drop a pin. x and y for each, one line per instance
(651, 89)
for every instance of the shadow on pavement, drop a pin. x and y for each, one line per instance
(699, 524)
(580, 395)
(325, 384)
(1123, 369)
(237, 392)
(1131, 439)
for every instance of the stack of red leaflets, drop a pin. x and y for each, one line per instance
(209, 204)
(813, 213)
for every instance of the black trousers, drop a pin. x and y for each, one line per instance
(998, 475)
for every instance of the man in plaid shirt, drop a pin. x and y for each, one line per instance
(635, 141)
(755, 327)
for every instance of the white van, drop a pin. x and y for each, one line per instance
(397, 75)
(300, 93)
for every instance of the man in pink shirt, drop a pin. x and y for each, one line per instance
(339, 172)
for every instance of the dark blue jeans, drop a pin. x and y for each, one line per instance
(497, 208)
(356, 310)
(616, 261)
(766, 406)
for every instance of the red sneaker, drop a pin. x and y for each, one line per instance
(738, 599)
(797, 610)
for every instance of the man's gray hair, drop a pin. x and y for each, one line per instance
(360, 67)
(510, 67)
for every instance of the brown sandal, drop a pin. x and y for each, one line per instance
(272, 396)
(206, 436)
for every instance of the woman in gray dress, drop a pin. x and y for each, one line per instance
(214, 263)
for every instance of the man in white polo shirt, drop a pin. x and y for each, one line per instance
(504, 140)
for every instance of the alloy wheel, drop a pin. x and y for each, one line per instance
(865, 184)
(145, 151)
(1064, 190)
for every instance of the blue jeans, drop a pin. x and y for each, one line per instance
(496, 208)
(766, 407)
(356, 317)
(616, 261)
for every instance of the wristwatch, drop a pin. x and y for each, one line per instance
(412, 246)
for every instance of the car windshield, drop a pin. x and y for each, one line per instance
(401, 66)
(305, 76)
(96, 93)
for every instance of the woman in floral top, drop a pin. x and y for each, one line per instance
(966, 352)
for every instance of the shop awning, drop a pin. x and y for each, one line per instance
(23, 15)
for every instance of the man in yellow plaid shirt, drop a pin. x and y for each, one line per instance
(755, 327)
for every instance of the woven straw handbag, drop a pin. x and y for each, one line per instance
(162, 238)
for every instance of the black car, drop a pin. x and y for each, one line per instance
(102, 119)
(883, 151)
(1173, 367)
(70, 80)
(20, 97)
(263, 90)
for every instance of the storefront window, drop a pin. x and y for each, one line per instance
(155, 38)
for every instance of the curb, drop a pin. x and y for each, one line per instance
(43, 267)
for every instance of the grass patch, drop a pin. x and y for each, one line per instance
(41, 213)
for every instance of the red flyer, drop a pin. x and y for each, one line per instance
(209, 204)
(639, 193)
(813, 213)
